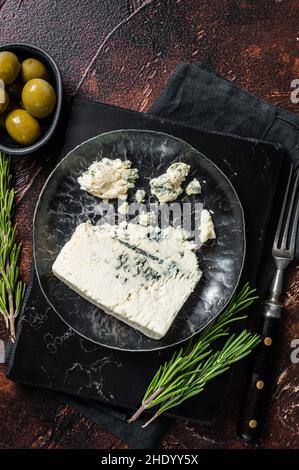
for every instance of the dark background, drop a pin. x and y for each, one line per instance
(122, 52)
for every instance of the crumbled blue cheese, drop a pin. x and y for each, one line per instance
(167, 187)
(123, 208)
(207, 230)
(194, 187)
(152, 277)
(147, 218)
(109, 179)
(140, 196)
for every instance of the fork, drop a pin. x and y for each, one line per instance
(252, 416)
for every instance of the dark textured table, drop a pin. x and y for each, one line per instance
(122, 52)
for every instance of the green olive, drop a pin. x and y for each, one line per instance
(39, 97)
(22, 127)
(9, 67)
(3, 106)
(33, 68)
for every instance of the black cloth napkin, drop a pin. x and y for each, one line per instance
(198, 97)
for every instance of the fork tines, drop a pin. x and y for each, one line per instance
(285, 237)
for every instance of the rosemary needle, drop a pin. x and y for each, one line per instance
(12, 289)
(191, 368)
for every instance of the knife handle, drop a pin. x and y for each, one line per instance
(253, 411)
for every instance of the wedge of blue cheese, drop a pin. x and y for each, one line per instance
(109, 179)
(142, 280)
(167, 187)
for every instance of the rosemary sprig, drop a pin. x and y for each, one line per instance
(12, 289)
(190, 368)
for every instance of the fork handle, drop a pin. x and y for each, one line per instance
(253, 412)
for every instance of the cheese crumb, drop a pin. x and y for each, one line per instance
(207, 231)
(123, 208)
(140, 195)
(167, 187)
(109, 179)
(194, 187)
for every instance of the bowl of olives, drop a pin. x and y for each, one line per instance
(30, 98)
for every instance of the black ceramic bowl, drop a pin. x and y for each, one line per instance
(49, 124)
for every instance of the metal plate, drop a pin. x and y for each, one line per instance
(63, 205)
